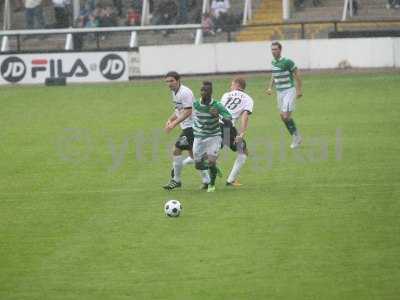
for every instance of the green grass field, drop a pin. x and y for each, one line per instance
(81, 204)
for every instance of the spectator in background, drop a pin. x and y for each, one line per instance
(207, 24)
(118, 6)
(79, 22)
(183, 11)
(219, 7)
(34, 11)
(107, 17)
(219, 11)
(165, 12)
(92, 21)
(195, 11)
(84, 11)
(355, 6)
(137, 5)
(19, 5)
(92, 4)
(133, 17)
(136, 13)
(62, 13)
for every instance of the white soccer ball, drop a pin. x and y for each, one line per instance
(173, 208)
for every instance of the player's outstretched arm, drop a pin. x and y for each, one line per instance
(299, 84)
(172, 118)
(172, 124)
(223, 112)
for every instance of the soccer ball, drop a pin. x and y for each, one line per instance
(173, 208)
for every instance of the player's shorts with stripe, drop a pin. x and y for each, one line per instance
(206, 146)
(286, 100)
(229, 135)
(185, 139)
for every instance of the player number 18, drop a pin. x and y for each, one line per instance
(232, 103)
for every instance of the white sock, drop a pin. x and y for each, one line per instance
(205, 176)
(188, 161)
(177, 165)
(239, 162)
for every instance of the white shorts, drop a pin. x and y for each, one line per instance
(286, 100)
(208, 146)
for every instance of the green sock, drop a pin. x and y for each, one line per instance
(213, 174)
(291, 126)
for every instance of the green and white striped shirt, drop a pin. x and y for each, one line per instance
(204, 123)
(282, 73)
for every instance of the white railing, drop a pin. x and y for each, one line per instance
(286, 9)
(145, 12)
(347, 9)
(133, 30)
(247, 12)
(6, 15)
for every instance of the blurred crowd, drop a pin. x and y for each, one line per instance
(220, 18)
(102, 13)
(98, 13)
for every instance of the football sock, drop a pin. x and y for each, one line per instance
(202, 165)
(239, 162)
(188, 161)
(213, 174)
(205, 176)
(291, 126)
(177, 165)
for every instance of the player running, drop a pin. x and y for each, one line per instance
(207, 132)
(283, 72)
(182, 99)
(240, 106)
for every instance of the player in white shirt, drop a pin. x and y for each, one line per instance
(240, 105)
(182, 100)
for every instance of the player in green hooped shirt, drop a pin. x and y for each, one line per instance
(284, 73)
(206, 114)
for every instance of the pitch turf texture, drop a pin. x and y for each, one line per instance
(81, 210)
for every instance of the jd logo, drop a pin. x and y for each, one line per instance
(112, 66)
(13, 69)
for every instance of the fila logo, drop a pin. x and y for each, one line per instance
(57, 70)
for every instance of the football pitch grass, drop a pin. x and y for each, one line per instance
(81, 204)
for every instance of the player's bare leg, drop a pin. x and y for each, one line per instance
(205, 175)
(287, 119)
(209, 163)
(239, 162)
(177, 165)
(212, 166)
(189, 160)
